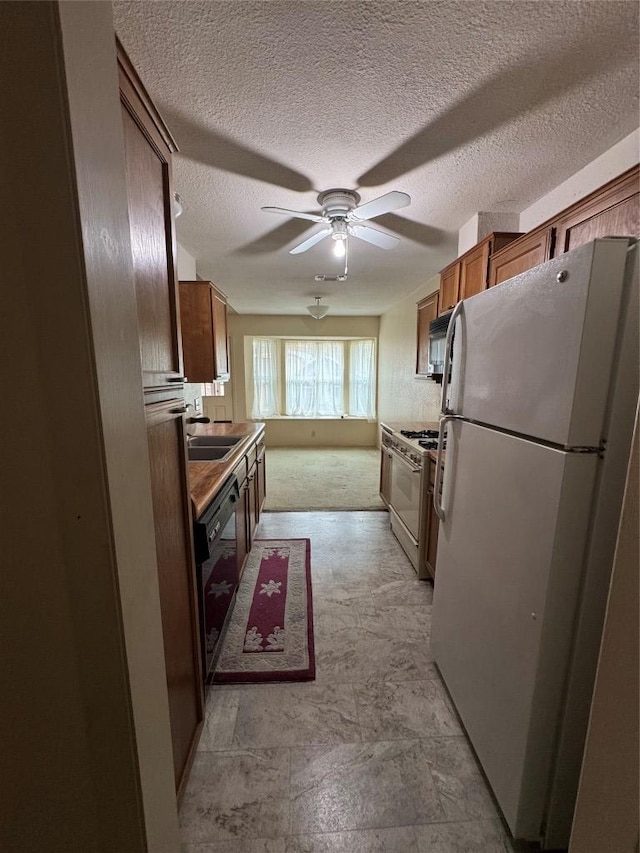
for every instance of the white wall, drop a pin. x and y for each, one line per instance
(609, 165)
(402, 397)
(484, 223)
(186, 265)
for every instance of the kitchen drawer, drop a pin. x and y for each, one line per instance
(240, 470)
(251, 457)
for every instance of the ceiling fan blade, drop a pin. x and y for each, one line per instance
(312, 216)
(311, 241)
(382, 204)
(372, 235)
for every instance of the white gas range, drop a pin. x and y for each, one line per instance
(408, 447)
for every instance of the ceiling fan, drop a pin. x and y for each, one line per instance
(342, 214)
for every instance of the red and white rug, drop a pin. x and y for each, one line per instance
(270, 635)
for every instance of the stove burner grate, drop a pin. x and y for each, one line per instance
(432, 444)
(419, 433)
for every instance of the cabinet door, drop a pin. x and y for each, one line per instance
(153, 246)
(197, 331)
(252, 505)
(427, 311)
(220, 344)
(521, 255)
(449, 288)
(261, 479)
(385, 474)
(621, 220)
(611, 211)
(176, 578)
(432, 525)
(473, 271)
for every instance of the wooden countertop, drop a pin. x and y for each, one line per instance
(205, 478)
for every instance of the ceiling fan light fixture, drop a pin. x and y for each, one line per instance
(340, 248)
(318, 311)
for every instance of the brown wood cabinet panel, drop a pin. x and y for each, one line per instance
(427, 311)
(203, 313)
(432, 524)
(449, 288)
(621, 220)
(610, 211)
(241, 515)
(176, 577)
(473, 271)
(252, 504)
(148, 148)
(261, 479)
(220, 343)
(526, 252)
(385, 474)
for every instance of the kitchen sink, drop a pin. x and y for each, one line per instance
(208, 453)
(214, 440)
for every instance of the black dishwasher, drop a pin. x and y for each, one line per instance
(217, 570)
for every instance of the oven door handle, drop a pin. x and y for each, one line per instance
(405, 461)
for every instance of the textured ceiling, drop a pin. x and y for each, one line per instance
(467, 106)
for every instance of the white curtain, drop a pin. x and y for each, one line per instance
(362, 379)
(314, 378)
(265, 379)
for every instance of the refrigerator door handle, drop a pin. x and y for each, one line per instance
(446, 370)
(438, 499)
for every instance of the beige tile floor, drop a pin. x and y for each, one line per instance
(369, 757)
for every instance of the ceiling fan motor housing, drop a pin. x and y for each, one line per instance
(336, 204)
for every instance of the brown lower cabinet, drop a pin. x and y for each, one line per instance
(251, 474)
(261, 479)
(385, 472)
(432, 524)
(178, 604)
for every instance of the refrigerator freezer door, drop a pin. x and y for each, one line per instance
(535, 355)
(510, 555)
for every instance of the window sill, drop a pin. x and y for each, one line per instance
(314, 418)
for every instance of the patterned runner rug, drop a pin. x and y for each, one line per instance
(270, 634)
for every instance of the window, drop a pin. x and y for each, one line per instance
(313, 378)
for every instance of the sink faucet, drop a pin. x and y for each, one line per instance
(194, 420)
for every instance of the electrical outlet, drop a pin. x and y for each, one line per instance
(197, 404)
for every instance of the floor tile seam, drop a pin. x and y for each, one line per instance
(363, 741)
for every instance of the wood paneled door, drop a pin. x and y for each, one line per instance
(148, 150)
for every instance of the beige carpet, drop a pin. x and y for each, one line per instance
(333, 478)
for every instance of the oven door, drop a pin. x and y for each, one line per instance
(405, 492)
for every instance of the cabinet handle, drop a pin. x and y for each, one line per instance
(179, 411)
(176, 378)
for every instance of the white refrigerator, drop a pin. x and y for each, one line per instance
(539, 414)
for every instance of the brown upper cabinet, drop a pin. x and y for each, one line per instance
(203, 311)
(427, 311)
(529, 251)
(613, 210)
(449, 288)
(469, 274)
(148, 149)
